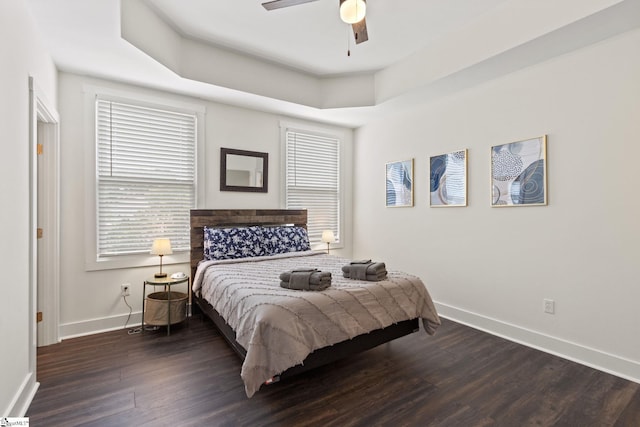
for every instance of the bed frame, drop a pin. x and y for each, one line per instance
(272, 217)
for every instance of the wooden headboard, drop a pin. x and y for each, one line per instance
(237, 218)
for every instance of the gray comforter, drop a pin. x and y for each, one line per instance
(279, 327)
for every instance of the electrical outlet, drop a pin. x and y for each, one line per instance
(549, 306)
(124, 289)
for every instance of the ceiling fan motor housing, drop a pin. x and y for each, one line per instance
(351, 11)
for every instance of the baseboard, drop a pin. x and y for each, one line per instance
(602, 361)
(96, 326)
(20, 403)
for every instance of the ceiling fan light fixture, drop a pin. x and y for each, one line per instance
(352, 11)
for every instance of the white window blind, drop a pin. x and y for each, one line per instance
(313, 181)
(145, 177)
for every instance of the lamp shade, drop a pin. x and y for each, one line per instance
(161, 247)
(352, 11)
(328, 237)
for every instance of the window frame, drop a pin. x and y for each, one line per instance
(91, 94)
(325, 132)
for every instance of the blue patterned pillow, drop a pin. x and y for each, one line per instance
(228, 243)
(280, 240)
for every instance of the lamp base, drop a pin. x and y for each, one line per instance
(160, 275)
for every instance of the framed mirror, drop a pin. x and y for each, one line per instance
(242, 170)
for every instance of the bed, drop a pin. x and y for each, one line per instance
(281, 332)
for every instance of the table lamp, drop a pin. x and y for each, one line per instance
(328, 237)
(161, 247)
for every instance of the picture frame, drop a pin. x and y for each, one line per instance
(399, 183)
(519, 173)
(448, 179)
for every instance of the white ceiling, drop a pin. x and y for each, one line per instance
(417, 49)
(311, 37)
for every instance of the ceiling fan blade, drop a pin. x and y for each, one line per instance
(279, 4)
(360, 31)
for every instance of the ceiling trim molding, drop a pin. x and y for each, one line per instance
(504, 41)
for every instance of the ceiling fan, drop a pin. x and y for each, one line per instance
(351, 11)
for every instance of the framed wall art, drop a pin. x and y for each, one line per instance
(399, 183)
(448, 179)
(519, 173)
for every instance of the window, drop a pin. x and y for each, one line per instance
(312, 180)
(145, 177)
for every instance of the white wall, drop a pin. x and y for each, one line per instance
(493, 267)
(90, 300)
(22, 55)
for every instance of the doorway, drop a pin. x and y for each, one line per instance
(45, 213)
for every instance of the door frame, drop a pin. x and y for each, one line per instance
(41, 111)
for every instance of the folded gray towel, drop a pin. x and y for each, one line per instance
(365, 270)
(306, 279)
(376, 276)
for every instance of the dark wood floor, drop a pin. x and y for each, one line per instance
(460, 377)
